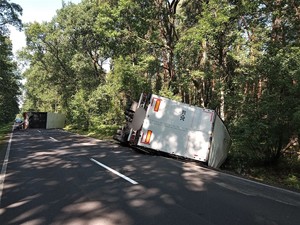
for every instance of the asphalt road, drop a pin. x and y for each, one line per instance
(55, 177)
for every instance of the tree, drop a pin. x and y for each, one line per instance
(205, 52)
(267, 108)
(9, 75)
(9, 15)
(231, 56)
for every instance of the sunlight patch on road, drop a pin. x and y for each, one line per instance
(17, 204)
(106, 218)
(83, 207)
(139, 196)
(25, 216)
(196, 176)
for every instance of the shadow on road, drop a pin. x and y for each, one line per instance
(51, 180)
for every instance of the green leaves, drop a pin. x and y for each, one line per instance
(9, 83)
(240, 58)
(9, 15)
(9, 75)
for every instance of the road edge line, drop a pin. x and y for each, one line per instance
(4, 166)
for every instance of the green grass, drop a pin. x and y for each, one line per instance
(102, 132)
(283, 176)
(293, 181)
(5, 130)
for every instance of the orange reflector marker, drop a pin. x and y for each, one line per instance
(157, 104)
(148, 137)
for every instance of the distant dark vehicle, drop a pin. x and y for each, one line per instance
(18, 120)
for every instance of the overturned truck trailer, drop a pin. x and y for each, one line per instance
(179, 129)
(45, 120)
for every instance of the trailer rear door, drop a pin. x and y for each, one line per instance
(177, 128)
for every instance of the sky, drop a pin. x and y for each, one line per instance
(34, 10)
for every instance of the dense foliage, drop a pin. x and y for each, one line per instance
(9, 75)
(241, 58)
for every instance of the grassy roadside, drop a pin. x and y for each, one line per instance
(284, 175)
(103, 132)
(4, 133)
(5, 130)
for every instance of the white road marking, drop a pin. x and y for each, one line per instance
(114, 171)
(4, 166)
(260, 184)
(53, 139)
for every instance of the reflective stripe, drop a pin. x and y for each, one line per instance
(157, 104)
(148, 137)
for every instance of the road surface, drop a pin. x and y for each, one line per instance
(55, 177)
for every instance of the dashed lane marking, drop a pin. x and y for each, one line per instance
(53, 139)
(114, 171)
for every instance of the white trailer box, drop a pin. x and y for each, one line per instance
(179, 129)
(46, 120)
(55, 120)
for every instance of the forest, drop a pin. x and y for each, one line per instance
(238, 57)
